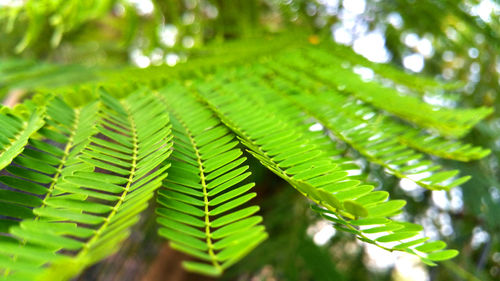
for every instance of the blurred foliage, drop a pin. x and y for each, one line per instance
(105, 35)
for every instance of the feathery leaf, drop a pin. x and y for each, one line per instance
(202, 200)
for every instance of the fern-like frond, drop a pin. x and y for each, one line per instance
(284, 151)
(438, 146)
(329, 70)
(30, 184)
(14, 135)
(418, 83)
(93, 186)
(30, 75)
(76, 178)
(371, 139)
(41, 163)
(296, 83)
(202, 200)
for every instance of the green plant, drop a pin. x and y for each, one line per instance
(80, 166)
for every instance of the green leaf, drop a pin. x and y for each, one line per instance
(386, 208)
(396, 236)
(355, 208)
(370, 221)
(431, 246)
(329, 199)
(442, 255)
(202, 268)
